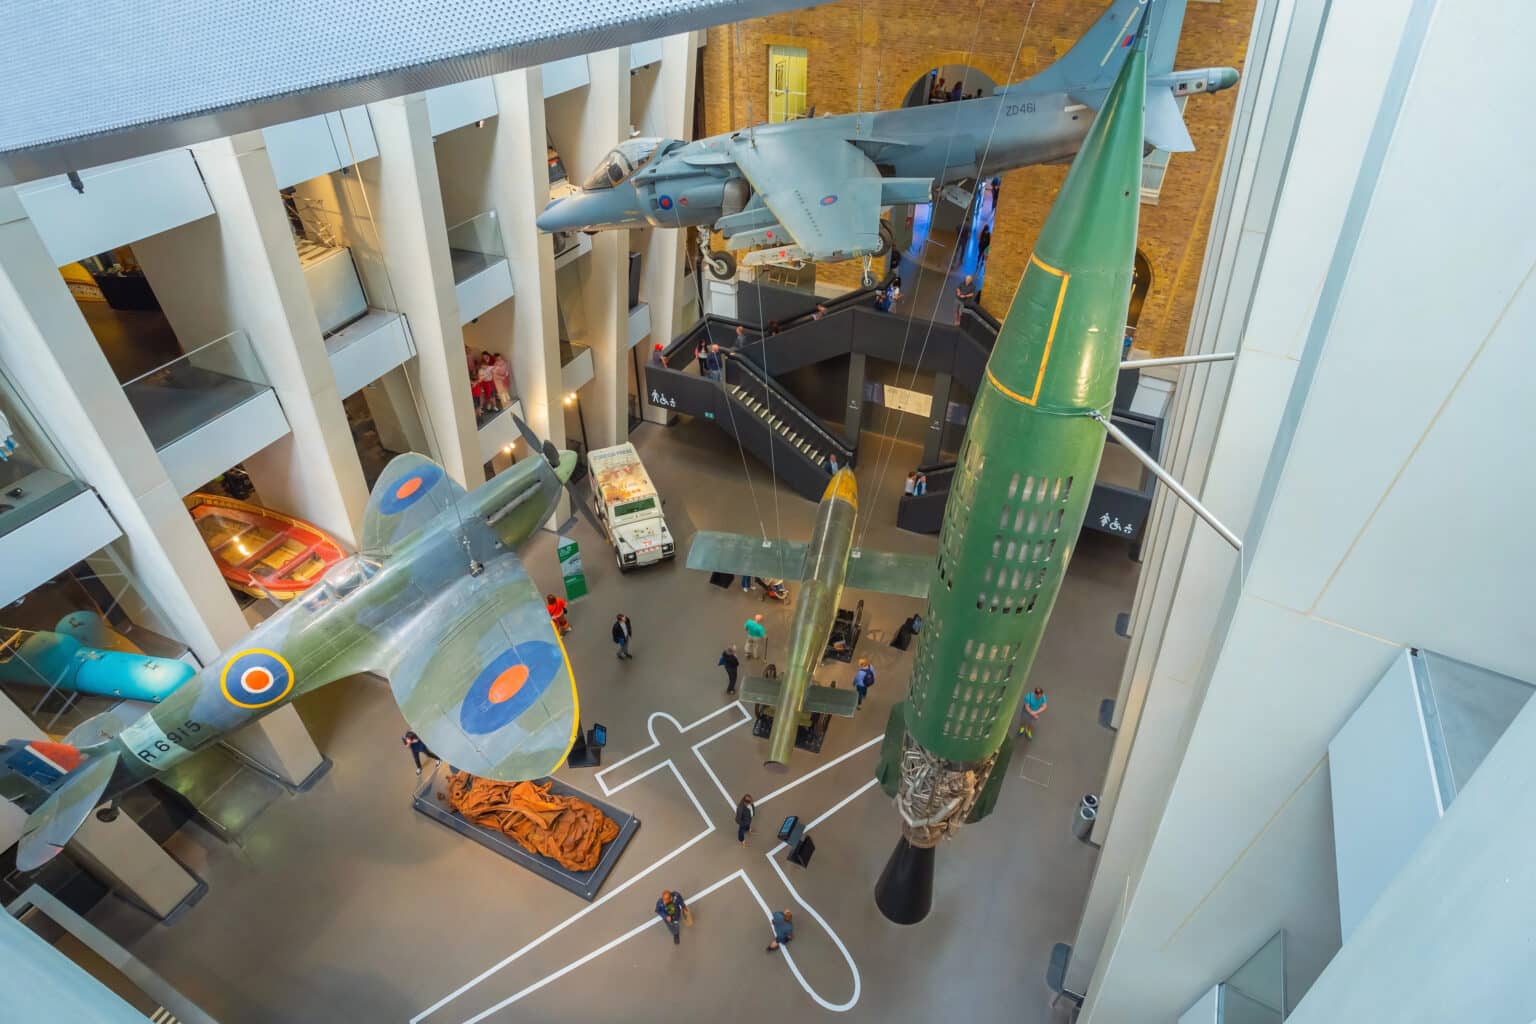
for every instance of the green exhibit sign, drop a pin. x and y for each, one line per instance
(569, 553)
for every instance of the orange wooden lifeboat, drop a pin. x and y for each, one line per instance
(261, 552)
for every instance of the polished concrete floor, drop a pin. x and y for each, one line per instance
(342, 904)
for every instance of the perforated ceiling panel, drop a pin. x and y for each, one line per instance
(85, 84)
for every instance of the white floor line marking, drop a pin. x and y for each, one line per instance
(650, 730)
(599, 951)
(709, 829)
(583, 912)
(710, 771)
(795, 893)
(826, 767)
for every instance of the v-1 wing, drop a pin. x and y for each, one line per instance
(889, 572)
(822, 188)
(747, 556)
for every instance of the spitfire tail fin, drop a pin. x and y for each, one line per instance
(62, 783)
(1094, 60)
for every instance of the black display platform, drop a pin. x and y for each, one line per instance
(582, 883)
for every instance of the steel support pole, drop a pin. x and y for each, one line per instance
(1206, 357)
(1167, 478)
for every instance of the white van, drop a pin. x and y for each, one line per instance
(629, 507)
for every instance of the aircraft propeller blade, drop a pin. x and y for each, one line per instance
(552, 456)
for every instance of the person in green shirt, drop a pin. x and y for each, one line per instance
(757, 636)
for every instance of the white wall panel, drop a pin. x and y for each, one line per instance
(564, 75)
(203, 454)
(1385, 798)
(352, 133)
(365, 351)
(490, 287)
(454, 106)
(300, 150)
(37, 551)
(1432, 566)
(122, 203)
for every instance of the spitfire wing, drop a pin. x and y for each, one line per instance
(822, 189)
(487, 684)
(412, 490)
(889, 573)
(747, 556)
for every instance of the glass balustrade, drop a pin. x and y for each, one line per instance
(177, 398)
(34, 477)
(475, 245)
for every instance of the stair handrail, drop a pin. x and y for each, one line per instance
(782, 394)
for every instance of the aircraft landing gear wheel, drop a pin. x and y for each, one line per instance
(887, 238)
(721, 264)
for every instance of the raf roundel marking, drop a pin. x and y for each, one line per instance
(665, 202)
(410, 489)
(828, 200)
(256, 678)
(510, 685)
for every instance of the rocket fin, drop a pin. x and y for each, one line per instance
(888, 770)
(747, 556)
(986, 800)
(889, 573)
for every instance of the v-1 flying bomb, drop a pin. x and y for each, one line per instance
(436, 601)
(826, 564)
(814, 189)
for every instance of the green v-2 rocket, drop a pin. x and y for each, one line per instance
(1021, 487)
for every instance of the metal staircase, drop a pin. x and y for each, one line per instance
(779, 426)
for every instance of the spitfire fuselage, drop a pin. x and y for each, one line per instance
(826, 567)
(358, 618)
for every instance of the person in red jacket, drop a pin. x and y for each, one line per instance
(556, 608)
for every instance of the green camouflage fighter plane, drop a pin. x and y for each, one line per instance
(436, 602)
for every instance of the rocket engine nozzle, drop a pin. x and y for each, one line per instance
(904, 893)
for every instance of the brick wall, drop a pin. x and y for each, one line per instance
(876, 49)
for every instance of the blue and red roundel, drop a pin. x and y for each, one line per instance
(828, 200)
(256, 678)
(410, 488)
(665, 202)
(509, 686)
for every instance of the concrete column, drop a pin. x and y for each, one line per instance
(53, 358)
(313, 472)
(519, 187)
(407, 202)
(396, 418)
(668, 113)
(933, 440)
(605, 279)
(119, 854)
(853, 412)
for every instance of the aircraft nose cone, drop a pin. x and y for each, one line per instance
(554, 218)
